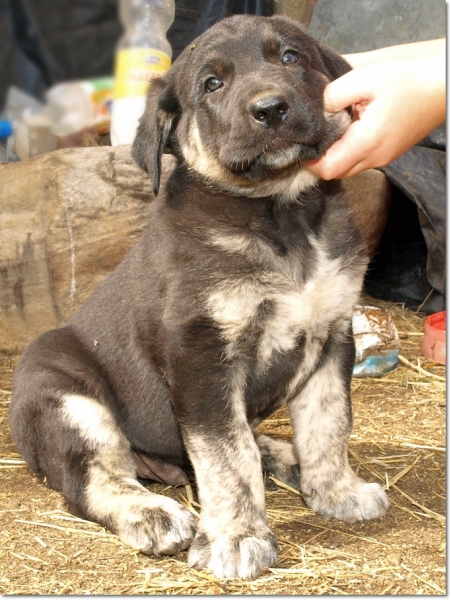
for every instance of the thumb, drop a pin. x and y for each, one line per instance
(343, 92)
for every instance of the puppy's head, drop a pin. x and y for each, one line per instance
(242, 106)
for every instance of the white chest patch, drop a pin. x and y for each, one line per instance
(329, 294)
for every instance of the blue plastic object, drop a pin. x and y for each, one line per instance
(6, 128)
(377, 364)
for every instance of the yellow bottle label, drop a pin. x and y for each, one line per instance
(135, 68)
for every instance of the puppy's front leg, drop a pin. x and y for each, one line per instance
(322, 420)
(233, 538)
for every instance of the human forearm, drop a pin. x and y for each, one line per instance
(414, 51)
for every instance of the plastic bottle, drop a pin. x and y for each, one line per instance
(143, 54)
(17, 103)
(75, 105)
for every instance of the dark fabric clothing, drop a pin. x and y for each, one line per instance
(410, 264)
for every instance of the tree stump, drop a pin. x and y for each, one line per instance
(66, 220)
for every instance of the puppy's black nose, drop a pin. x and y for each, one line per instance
(270, 111)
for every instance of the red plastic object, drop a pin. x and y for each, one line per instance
(434, 339)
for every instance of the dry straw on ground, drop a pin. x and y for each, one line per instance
(398, 440)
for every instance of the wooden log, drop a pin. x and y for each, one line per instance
(66, 220)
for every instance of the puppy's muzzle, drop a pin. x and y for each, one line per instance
(270, 111)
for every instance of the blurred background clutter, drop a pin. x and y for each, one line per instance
(45, 44)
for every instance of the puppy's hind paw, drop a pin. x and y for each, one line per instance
(156, 525)
(242, 556)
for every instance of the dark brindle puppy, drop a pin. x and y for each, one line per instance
(238, 299)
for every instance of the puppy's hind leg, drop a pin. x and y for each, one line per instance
(73, 443)
(148, 522)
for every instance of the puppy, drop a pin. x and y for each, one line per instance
(237, 300)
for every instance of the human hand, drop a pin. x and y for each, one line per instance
(395, 104)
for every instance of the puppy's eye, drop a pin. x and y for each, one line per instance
(213, 84)
(289, 57)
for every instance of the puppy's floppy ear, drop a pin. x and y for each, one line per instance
(334, 65)
(155, 127)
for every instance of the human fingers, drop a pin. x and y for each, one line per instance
(395, 106)
(350, 89)
(346, 157)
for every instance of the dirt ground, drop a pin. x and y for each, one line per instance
(398, 439)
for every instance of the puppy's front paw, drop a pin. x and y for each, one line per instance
(243, 556)
(156, 525)
(350, 499)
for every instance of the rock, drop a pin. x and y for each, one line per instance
(354, 26)
(394, 559)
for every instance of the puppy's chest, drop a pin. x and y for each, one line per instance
(269, 314)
